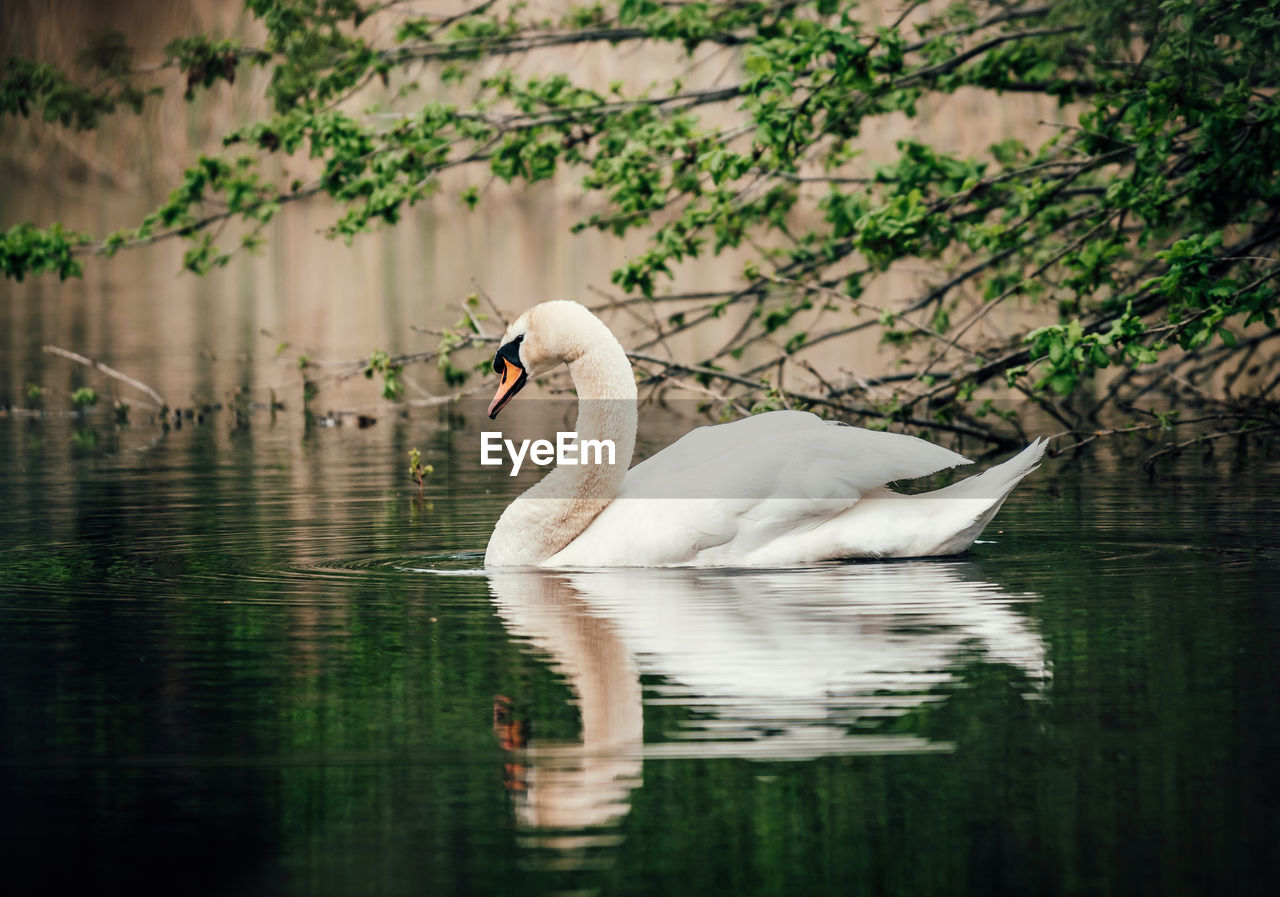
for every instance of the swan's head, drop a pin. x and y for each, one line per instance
(540, 340)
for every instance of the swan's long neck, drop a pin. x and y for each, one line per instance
(606, 410)
(554, 512)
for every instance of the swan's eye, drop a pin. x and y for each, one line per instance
(510, 353)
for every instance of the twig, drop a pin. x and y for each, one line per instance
(502, 319)
(825, 401)
(160, 403)
(985, 309)
(858, 304)
(449, 20)
(436, 401)
(1148, 464)
(480, 331)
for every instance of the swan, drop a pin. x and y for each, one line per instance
(772, 490)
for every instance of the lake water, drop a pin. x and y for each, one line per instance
(242, 657)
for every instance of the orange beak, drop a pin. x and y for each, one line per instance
(513, 378)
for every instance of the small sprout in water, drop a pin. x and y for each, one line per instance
(34, 393)
(84, 397)
(309, 391)
(85, 439)
(418, 470)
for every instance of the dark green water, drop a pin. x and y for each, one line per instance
(249, 661)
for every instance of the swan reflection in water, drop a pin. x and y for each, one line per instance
(785, 664)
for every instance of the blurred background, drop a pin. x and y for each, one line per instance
(198, 339)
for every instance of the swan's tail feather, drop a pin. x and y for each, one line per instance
(989, 488)
(997, 482)
(887, 524)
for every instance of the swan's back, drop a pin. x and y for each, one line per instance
(765, 489)
(784, 455)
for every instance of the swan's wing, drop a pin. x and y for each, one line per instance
(720, 493)
(784, 455)
(654, 532)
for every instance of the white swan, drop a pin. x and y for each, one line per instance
(774, 489)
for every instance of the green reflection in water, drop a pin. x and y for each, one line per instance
(223, 669)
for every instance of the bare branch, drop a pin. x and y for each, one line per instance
(160, 403)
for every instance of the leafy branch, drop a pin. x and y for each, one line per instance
(1140, 235)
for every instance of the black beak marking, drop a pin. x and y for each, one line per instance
(508, 353)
